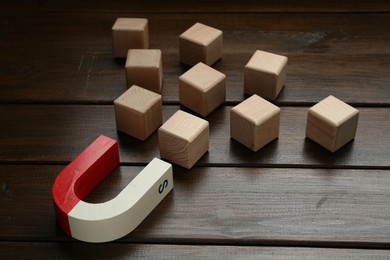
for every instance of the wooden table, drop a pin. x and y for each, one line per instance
(292, 199)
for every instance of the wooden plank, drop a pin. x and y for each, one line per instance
(71, 60)
(200, 6)
(58, 133)
(241, 206)
(46, 250)
(60, 52)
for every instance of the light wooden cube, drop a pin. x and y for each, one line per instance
(183, 139)
(138, 112)
(129, 33)
(265, 74)
(202, 89)
(200, 43)
(144, 68)
(332, 123)
(254, 122)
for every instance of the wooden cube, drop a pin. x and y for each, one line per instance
(138, 112)
(144, 68)
(332, 123)
(202, 89)
(183, 139)
(254, 122)
(200, 43)
(265, 74)
(129, 33)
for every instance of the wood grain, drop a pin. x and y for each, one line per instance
(241, 206)
(71, 60)
(45, 250)
(201, 6)
(290, 200)
(58, 133)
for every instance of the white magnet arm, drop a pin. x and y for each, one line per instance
(116, 218)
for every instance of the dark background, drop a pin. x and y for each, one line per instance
(292, 199)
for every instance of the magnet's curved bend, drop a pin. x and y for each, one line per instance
(116, 218)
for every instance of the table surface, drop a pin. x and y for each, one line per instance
(291, 199)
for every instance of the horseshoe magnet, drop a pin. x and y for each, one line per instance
(103, 222)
